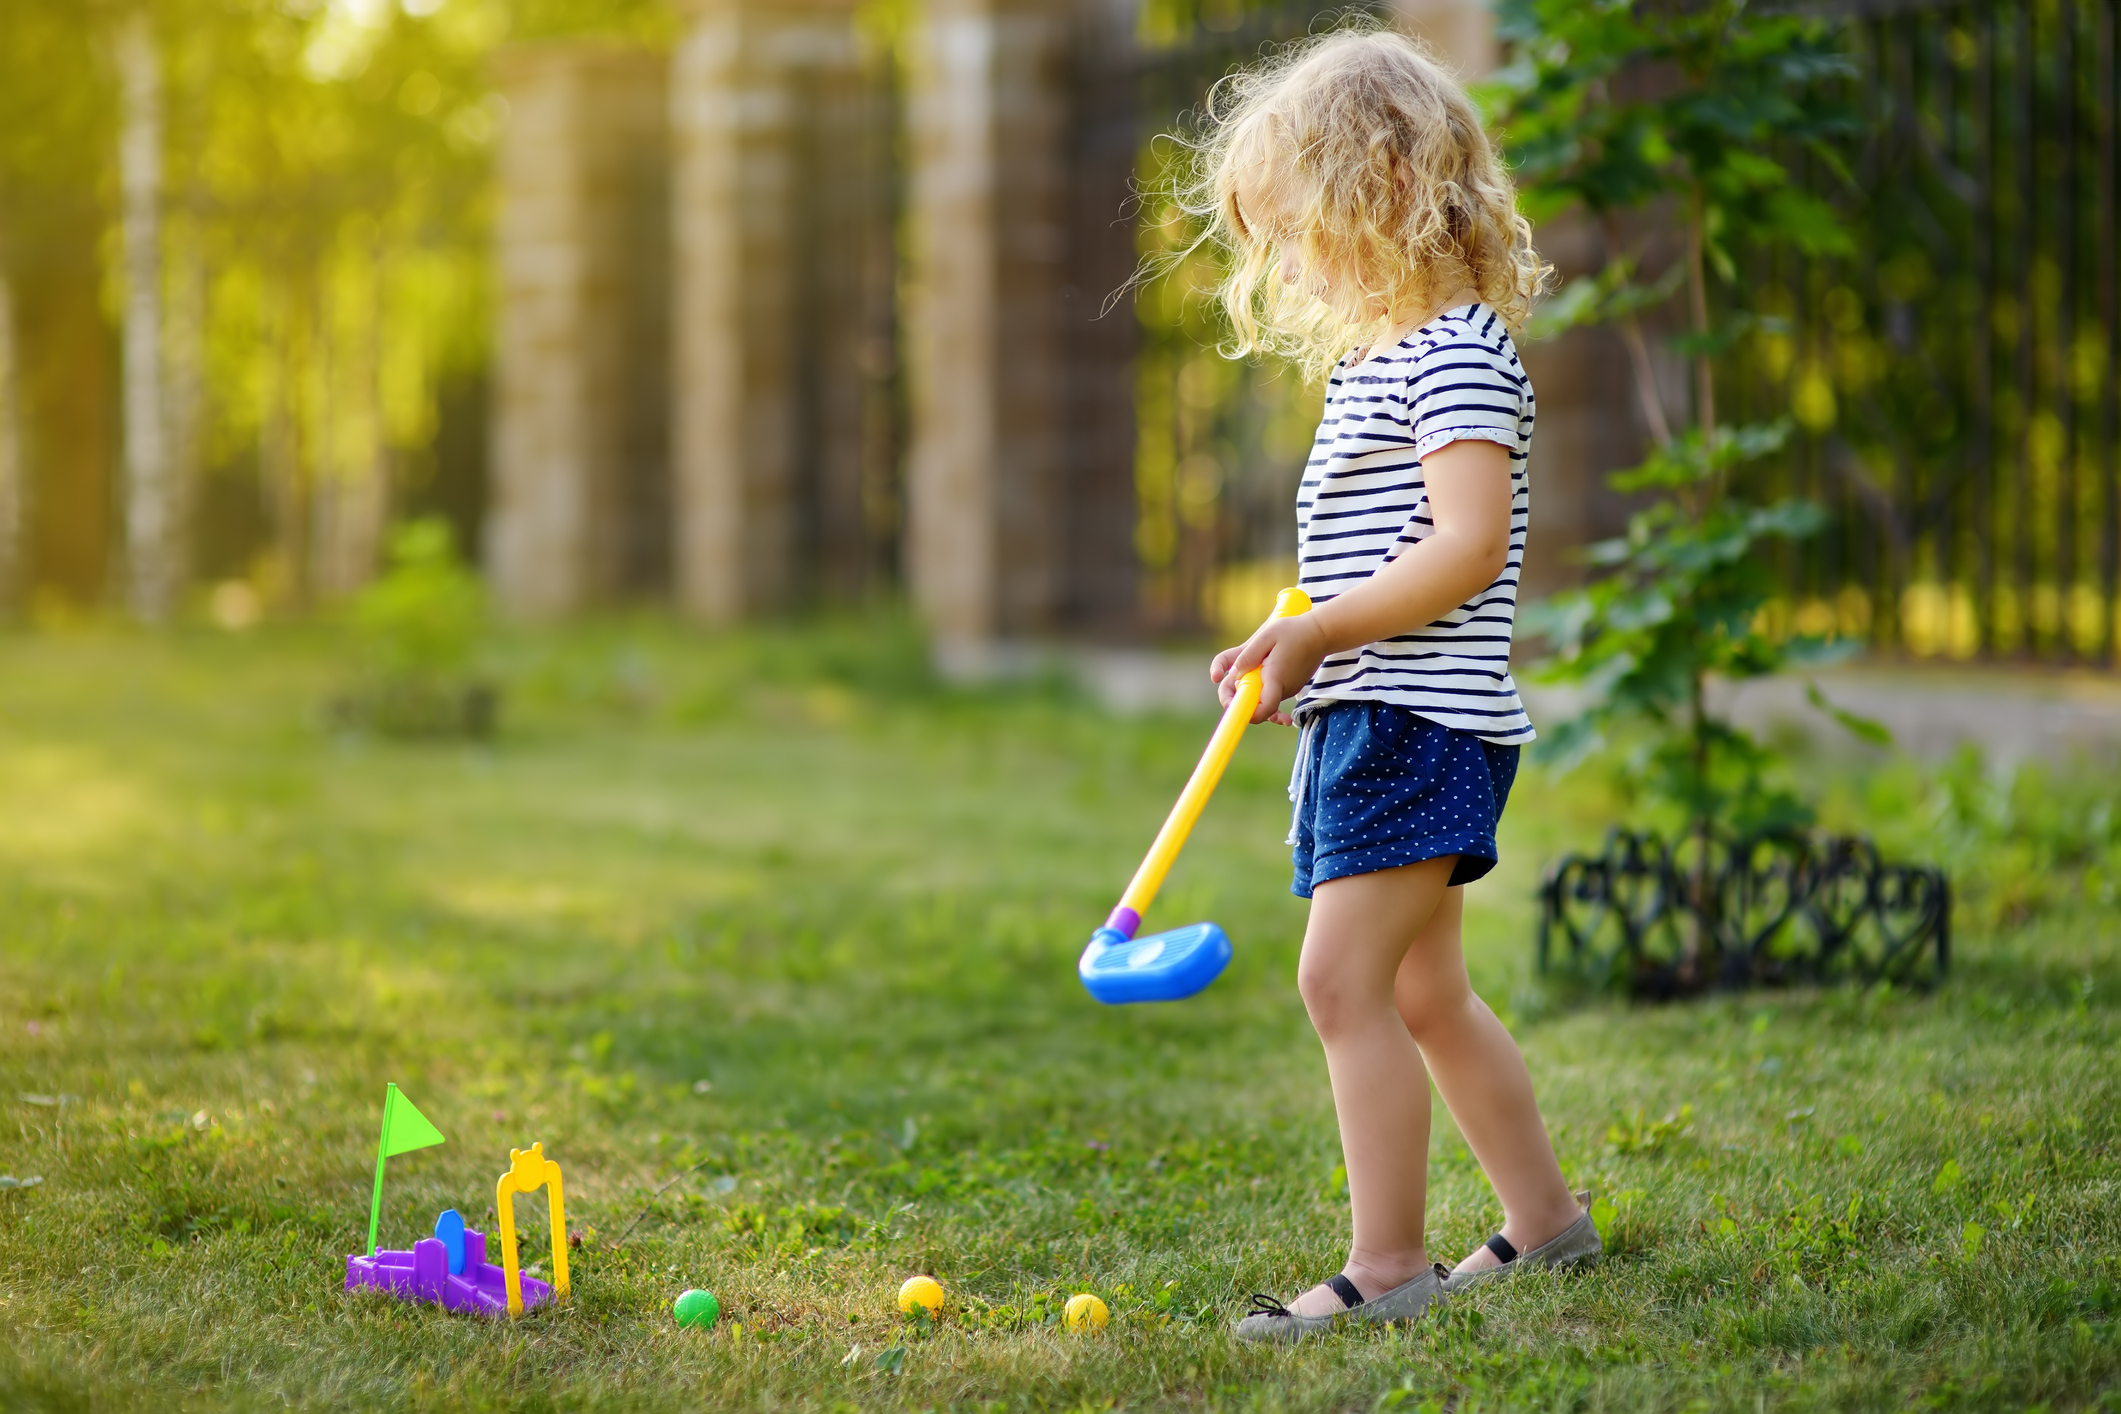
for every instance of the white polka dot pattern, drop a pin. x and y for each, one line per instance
(1384, 787)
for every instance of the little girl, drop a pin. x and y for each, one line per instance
(1354, 190)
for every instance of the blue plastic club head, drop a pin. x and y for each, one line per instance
(1162, 967)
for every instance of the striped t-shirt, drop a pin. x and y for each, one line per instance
(1363, 502)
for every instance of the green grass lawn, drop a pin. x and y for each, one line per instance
(776, 916)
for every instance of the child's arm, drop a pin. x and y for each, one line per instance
(1469, 504)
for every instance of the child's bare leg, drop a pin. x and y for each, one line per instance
(1360, 930)
(1482, 1077)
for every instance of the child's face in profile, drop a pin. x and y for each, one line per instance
(1265, 218)
(1263, 206)
(1292, 270)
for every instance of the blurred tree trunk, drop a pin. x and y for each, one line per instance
(149, 518)
(67, 391)
(185, 390)
(282, 486)
(350, 491)
(11, 467)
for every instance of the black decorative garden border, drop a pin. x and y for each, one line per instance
(1764, 909)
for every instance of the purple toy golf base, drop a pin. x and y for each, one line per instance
(423, 1275)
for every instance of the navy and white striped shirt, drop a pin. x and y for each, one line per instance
(1363, 502)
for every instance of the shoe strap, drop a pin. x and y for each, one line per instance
(1500, 1246)
(1350, 1296)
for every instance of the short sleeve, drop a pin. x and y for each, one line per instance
(1468, 384)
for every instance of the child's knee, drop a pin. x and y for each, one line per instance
(1333, 994)
(1431, 1009)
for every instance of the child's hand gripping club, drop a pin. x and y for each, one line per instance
(1163, 967)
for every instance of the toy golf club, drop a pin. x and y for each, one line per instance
(1163, 967)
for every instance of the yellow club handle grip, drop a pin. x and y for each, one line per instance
(1194, 798)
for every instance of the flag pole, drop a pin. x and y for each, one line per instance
(375, 1204)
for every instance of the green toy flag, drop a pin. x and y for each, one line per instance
(404, 1129)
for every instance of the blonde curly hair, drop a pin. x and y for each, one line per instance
(1364, 160)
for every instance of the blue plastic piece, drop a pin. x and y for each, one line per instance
(1163, 967)
(450, 1229)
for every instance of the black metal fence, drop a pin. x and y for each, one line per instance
(1662, 921)
(1955, 379)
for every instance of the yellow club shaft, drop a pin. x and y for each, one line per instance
(1194, 798)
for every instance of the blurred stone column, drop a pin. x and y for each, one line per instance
(581, 366)
(988, 187)
(1459, 31)
(781, 242)
(12, 471)
(150, 525)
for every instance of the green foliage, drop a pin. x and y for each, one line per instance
(1679, 601)
(1651, 111)
(421, 626)
(2025, 846)
(2066, 822)
(1613, 106)
(1635, 1134)
(423, 617)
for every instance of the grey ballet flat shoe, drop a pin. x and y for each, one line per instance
(1578, 1242)
(1270, 1320)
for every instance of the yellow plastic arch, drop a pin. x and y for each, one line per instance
(529, 1170)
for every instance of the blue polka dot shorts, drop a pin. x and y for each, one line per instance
(1377, 787)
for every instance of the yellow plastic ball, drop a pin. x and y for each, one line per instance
(921, 1291)
(1085, 1312)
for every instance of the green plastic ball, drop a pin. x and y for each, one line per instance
(696, 1308)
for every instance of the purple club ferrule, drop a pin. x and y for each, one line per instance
(1124, 921)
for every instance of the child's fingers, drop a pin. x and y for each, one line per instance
(1252, 652)
(1220, 668)
(1269, 691)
